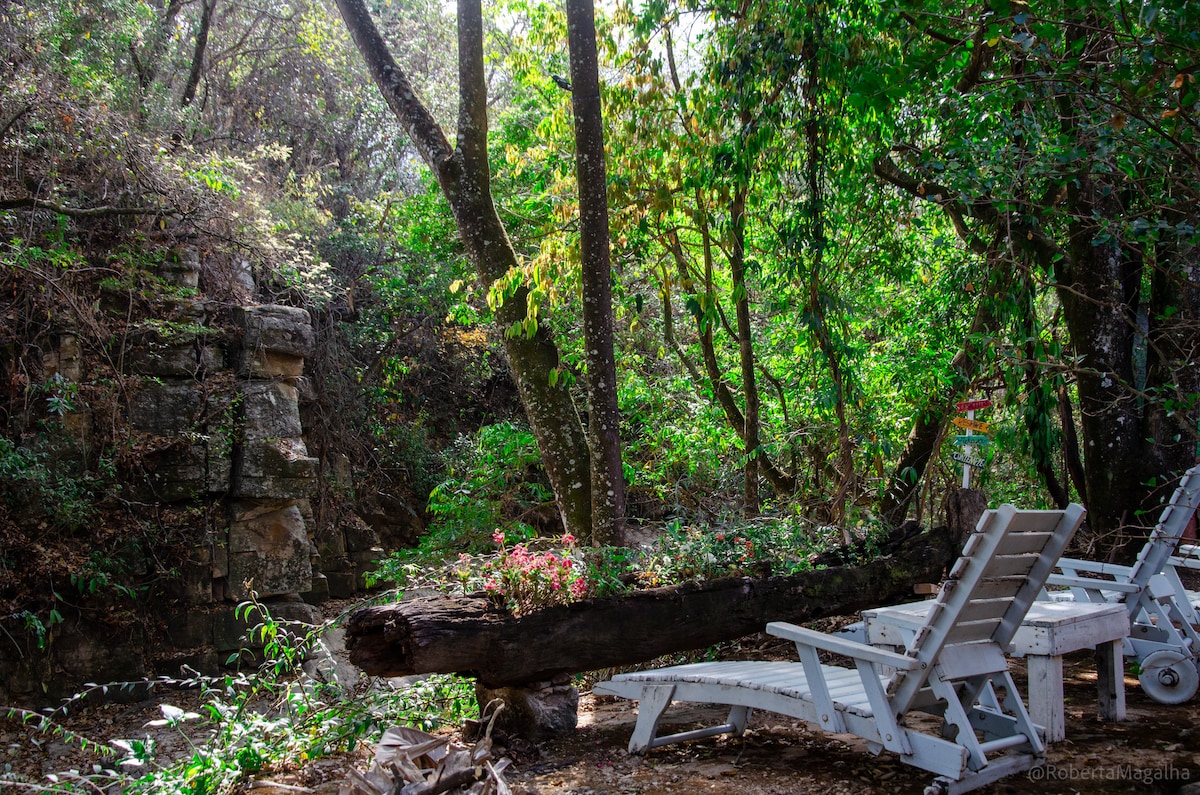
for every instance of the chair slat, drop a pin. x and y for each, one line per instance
(968, 631)
(993, 587)
(1023, 543)
(1011, 565)
(980, 609)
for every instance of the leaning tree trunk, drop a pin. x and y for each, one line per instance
(446, 634)
(465, 178)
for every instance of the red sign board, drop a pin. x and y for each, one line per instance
(973, 405)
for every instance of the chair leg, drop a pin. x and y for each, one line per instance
(738, 718)
(651, 706)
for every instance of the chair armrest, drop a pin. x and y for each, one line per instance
(1095, 567)
(1092, 584)
(841, 645)
(1186, 557)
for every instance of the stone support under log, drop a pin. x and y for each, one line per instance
(535, 711)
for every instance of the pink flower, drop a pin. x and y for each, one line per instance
(568, 540)
(578, 588)
(498, 537)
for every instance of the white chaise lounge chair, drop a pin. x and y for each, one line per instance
(1163, 638)
(954, 668)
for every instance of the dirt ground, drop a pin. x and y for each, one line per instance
(1156, 750)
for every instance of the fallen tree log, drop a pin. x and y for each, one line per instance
(470, 635)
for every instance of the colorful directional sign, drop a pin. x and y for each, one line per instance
(973, 405)
(970, 424)
(970, 460)
(969, 439)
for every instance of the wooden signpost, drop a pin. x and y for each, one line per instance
(970, 425)
(974, 430)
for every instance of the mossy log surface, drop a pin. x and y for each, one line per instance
(469, 635)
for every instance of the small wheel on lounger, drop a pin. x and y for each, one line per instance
(1169, 677)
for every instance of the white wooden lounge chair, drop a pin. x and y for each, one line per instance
(1163, 637)
(954, 668)
(1187, 556)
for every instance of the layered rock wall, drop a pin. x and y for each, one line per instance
(213, 396)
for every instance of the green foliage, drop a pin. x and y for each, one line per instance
(31, 482)
(100, 573)
(763, 548)
(484, 480)
(41, 630)
(494, 475)
(248, 722)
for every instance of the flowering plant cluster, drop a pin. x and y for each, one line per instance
(534, 573)
(524, 580)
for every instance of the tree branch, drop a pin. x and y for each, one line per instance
(418, 122)
(930, 32)
(13, 119)
(886, 169)
(1045, 248)
(197, 71)
(30, 202)
(981, 57)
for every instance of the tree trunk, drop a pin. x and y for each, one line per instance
(147, 62)
(814, 142)
(197, 71)
(465, 178)
(1099, 288)
(1091, 295)
(604, 417)
(931, 420)
(741, 301)
(468, 635)
(721, 394)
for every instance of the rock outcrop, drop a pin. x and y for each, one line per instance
(213, 405)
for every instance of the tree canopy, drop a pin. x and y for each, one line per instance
(829, 225)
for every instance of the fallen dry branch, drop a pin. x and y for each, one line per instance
(411, 762)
